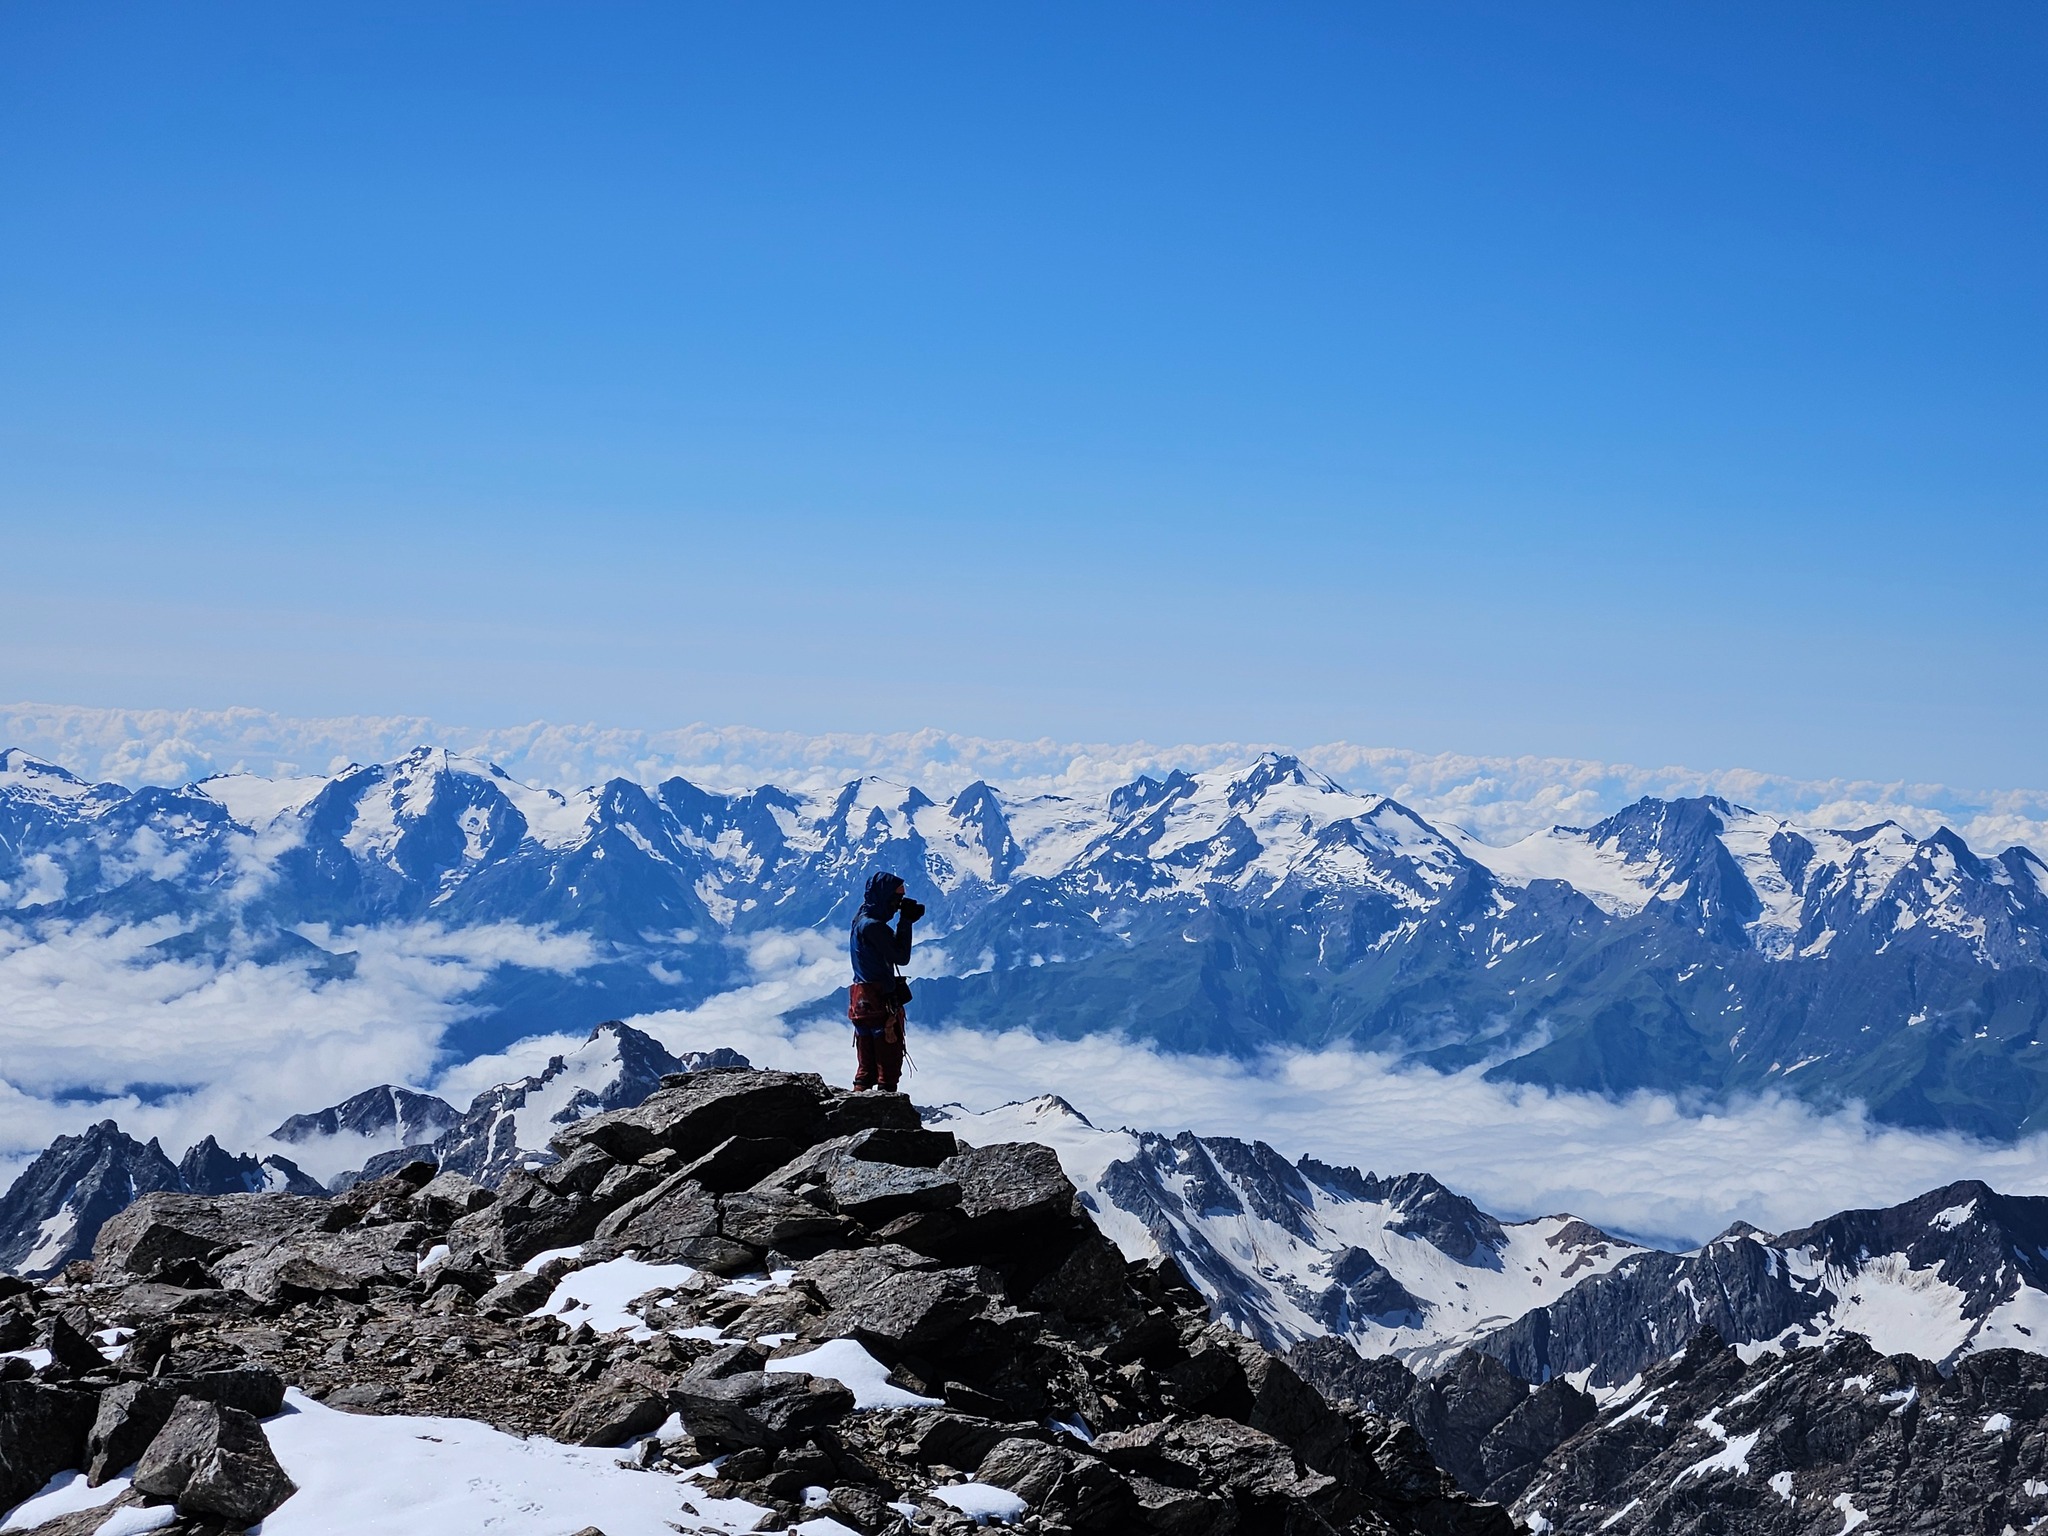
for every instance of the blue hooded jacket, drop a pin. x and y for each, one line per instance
(875, 947)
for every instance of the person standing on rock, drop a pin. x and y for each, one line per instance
(875, 1004)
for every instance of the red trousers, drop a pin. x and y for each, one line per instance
(877, 1041)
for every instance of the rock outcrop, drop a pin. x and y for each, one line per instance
(1820, 1439)
(855, 1314)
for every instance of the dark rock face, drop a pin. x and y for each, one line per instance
(56, 1208)
(53, 1213)
(693, 1114)
(1752, 1288)
(42, 1432)
(1819, 1439)
(213, 1460)
(1488, 1428)
(407, 1116)
(491, 1140)
(161, 1231)
(208, 1169)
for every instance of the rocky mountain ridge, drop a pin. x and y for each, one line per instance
(51, 1214)
(796, 1305)
(799, 1307)
(55, 1209)
(1688, 945)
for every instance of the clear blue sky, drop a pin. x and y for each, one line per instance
(1666, 383)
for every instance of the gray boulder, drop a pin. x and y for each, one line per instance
(318, 1263)
(894, 1298)
(214, 1460)
(770, 1409)
(1009, 1187)
(694, 1113)
(875, 1193)
(609, 1416)
(42, 1432)
(678, 1222)
(515, 1295)
(162, 1230)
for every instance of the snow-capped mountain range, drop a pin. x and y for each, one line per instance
(1686, 945)
(1403, 1266)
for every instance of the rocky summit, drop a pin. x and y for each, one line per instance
(788, 1304)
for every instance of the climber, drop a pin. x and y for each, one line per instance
(875, 1004)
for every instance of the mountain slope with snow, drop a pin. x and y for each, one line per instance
(1288, 1251)
(1685, 946)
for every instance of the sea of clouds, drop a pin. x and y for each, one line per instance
(1499, 798)
(87, 1012)
(248, 1045)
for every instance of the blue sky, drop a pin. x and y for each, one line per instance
(1648, 383)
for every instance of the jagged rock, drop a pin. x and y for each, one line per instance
(1214, 1454)
(54, 1212)
(1073, 1489)
(1515, 1447)
(1454, 1412)
(626, 1181)
(875, 1193)
(847, 1114)
(340, 1263)
(955, 1440)
(1089, 1283)
(678, 1222)
(695, 1113)
(528, 1218)
(609, 1416)
(71, 1352)
(448, 1197)
(210, 1169)
(770, 1221)
(42, 1432)
(756, 1408)
(1380, 1385)
(1004, 1301)
(579, 1173)
(382, 1166)
(363, 1397)
(893, 1298)
(214, 1460)
(1009, 1187)
(865, 1509)
(738, 1161)
(1028, 1468)
(903, 1146)
(129, 1417)
(515, 1295)
(160, 1230)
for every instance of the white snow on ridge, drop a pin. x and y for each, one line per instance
(1282, 1272)
(257, 802)
(1611, 882)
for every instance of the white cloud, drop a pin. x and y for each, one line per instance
(1500, 798)
(1642, 1166)
(87, 1007)
(88, 1014)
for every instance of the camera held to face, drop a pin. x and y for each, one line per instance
(911, 908)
